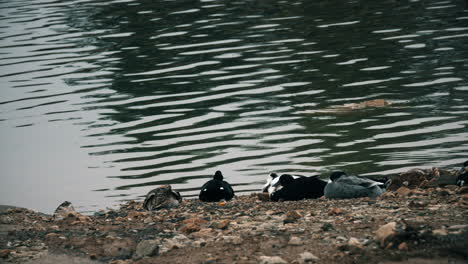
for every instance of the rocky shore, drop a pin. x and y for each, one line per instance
(413, 223)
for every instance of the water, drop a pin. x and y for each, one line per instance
(101, 101)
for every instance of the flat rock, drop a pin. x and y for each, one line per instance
(146, 248)
(307, 257)
(385, 233)
(271, 260)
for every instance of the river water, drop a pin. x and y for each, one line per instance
(101, 101)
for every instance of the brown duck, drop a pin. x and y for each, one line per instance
(162, 197)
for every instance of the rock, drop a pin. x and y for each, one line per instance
(291, 217)
(386, 195)
(235, 240)
(457, 227)
(403, 246)
(195, 220)
(4, 253)
(190, 228)
(354, 243)
(326, 227)
(119, 248)
(417, 204)
(264, 197)
(440, 232)
(271, 260)
(295, 241)
(220, 224)
(335, 211)
(385, 233)
(307, 257)
(403, 191)
(204, 233)
(463, 190)
(51, 236)
(146, 248)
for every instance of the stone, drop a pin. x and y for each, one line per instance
(291, 217)
(190, 228)
(235, 240)
(146, 248)
(457, 227)
(403, 191)
(203, 233)
(307, 257)
(326, 227)
(335, 211)
(417, 204)
(385, 233)
(4, 253)
(51, 236)
(463, 190)
(264, 197)
(271, 260)
(386, 195)
(295, 241)
(195, 220)
(354, 243)
(223, 224)
(440, 232)
(119, 248)
(403, 246)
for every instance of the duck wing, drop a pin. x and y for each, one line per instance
(156, 199)
(360, 181)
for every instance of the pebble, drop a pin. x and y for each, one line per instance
(403, 246)
(463, 190)
(307, 257)
(235, 240)
(385, 232)
(4, 253)
(291, 217)
(146, 248)
(295, 241)
(403, 191)
(271, 260)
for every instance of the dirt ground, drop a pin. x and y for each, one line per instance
(405, 226)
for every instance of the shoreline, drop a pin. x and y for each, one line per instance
(422, 224)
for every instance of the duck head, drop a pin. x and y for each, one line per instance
(269, 181)
(218, 176)
(336, 175)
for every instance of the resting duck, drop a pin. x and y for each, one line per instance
(273, 183)
(162, 197)
(216, 189)
(299, 188)
(462, 178)
(342, 185)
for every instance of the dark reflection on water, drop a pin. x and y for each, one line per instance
(103, 100)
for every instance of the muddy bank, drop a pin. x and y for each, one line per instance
(419, 225)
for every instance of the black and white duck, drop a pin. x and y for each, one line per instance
(462, 179)
(216, 189)
(162, 197)
(294, 189)
(273, 183)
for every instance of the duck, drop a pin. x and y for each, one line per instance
(294, 189)
(216, 189)
(342, 185)
(162, 197)
(462, 179)
(273, 183)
